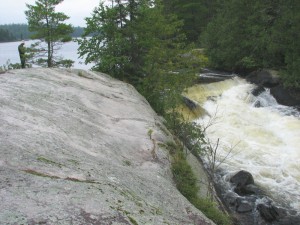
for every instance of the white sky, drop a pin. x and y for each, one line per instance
(12, 11)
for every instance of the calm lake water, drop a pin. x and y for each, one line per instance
(9, 51)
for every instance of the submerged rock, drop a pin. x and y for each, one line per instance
(75, 149)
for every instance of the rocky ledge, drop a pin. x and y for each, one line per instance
(269, 79)
(249, 204)
(75, 149)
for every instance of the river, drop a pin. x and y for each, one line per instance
(262, 140)
(9, 51)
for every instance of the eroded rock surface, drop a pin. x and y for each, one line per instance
(75, 149)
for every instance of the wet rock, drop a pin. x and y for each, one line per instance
(289, 220)
(253, 189)
(286, 96)
(270, 212)
(191, 104)
(231, 198)
(258, 90)
(257, 104)
(241, 180)
(249, 205)
(265, 78)
(239, 204)
(270, 79)
(244, 207)
(212, 98)
(211, 76)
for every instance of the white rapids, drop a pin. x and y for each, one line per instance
(264, 141)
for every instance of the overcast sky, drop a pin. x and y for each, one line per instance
(12, 11)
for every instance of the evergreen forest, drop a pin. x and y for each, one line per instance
(242, 35)
(14, 32)
(17, 32)
(236, 35)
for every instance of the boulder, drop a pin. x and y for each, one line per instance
(258, 90)
(242, 178)
(286, 96)
(265, 78)
(270, 212)
(191, 104)
(244, 207)
(75, 149)
(270, 79)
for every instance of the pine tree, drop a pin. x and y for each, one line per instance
(49, 27)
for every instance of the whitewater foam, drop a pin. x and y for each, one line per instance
(266, 138)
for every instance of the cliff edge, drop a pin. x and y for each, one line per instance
(75, 149)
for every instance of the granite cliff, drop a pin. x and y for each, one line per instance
(75, 149)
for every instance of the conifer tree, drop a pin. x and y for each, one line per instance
(136, 42)
(49, 27)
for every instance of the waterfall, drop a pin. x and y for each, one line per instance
(256, 134)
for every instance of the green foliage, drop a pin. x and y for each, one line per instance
(190, 134)
(286, 31)
(184, 178)
(136, 41)
(131, 40)
(195, 15)
(186, 183)
(230, 37)
(12, 66)
(244, 36)
(49, 27)
(6, 36)
(16, 31)
(77, 31)
(21, 32)
(210, 209)
(291, 73)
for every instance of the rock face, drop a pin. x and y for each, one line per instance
(75, 150)
(269, 79)
(264, 78)
(249, 205)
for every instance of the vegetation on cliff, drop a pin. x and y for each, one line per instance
(141, 43)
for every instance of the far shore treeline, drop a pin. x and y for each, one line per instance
(17, 32)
